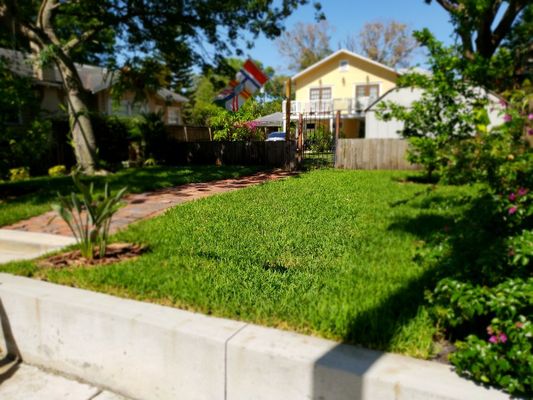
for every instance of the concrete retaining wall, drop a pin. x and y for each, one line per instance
(146, 351)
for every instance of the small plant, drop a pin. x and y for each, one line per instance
(57, 170)
(18, 174)
(89, 218)
(150, 162)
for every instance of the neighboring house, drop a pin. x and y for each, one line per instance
(345, 82)
(270, 123)
(97, 81)
(379, 129)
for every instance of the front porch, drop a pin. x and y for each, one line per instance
(323, 113)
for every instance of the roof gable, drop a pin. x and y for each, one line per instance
(347, 53)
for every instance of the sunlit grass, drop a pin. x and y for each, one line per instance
(328, 253)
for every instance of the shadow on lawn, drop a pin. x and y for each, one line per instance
(469, 238)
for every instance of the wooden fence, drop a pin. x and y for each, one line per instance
(372, 154)
(183, 133)
(272, 154)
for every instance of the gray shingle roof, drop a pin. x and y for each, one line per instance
(274, 119)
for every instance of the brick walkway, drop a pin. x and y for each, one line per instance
(149, 204)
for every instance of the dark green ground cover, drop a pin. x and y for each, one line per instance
(331, 253)
(25, 199)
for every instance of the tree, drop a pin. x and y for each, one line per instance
(390, 43)
(449, 111)
(305, 44)
(478, 25)
(520, 45)
(168, 30)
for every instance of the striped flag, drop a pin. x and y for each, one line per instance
(247, 81)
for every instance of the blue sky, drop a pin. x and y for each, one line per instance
(349, 16)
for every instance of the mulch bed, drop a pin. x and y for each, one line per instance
(115, 252)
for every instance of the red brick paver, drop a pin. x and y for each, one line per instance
(149, 204)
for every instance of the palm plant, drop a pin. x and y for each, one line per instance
(89, 216)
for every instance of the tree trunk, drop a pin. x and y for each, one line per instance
(79, 121)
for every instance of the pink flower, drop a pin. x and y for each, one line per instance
(512, 197)
(503, 103)
(507, 118)
(512, 210)
(530, 132)
(522, 191)
(530, 116)
(498, 338)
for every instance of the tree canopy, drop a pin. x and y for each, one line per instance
(179, 34)
(305, 44)
(387, 42)
(496, 34)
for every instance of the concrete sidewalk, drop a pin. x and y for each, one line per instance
(25, 382)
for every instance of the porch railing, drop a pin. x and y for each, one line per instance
(355, 106)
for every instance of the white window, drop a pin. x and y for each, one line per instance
(320, 93)
(173, 116)
(343, 65)
(122, 108)
(371, 91)
(138, 108)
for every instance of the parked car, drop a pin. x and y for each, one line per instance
(275, 137)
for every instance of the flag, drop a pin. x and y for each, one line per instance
(246, 82)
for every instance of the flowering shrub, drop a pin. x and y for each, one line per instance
(239, 125)
(483, 299)
(500, 352)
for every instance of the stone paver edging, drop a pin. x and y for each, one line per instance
(146, 205)
(147, 351)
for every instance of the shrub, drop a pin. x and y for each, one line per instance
(500, 351)
(112, 134)
(89, 219)
(18, 174)
(58, 170)
(320, 139)
(25, 145)
(154, 136)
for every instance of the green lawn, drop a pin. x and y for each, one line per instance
(25, 199)
(329, 253)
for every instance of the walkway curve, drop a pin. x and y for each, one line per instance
(149, 204)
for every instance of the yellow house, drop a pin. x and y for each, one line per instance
(345, 82)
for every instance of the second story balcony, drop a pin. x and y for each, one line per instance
(352, 107)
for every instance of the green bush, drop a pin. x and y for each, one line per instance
(500, 351)
(18, 174)
(112, 135)
(319, 139)
(58, 170)
(154, 136)
(25, 145)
